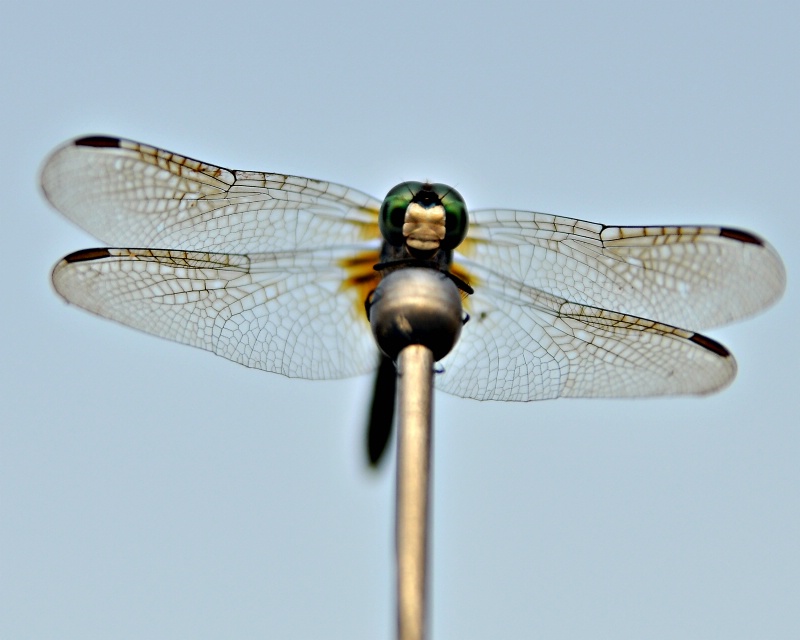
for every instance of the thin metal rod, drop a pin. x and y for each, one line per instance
(415, 406)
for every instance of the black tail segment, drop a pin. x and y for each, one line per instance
(97, 141)
(741, 236)
(381, 413)
(711, 345)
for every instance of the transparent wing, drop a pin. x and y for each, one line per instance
(299, 314)
(130, 194)
(690, 276)
(524, 344)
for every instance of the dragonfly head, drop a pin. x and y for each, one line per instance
(425, 217)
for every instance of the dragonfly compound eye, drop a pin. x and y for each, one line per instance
(395, 207)
(456, 217)
(393, 211)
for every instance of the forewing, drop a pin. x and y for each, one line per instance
(524, 344)
(289, 313)
(130, 194)
(690, 276)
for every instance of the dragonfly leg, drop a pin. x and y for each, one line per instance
(368, 302)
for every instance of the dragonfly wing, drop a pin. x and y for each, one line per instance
(129, 194)
(697, 276)
(524, 344)
(289, 313)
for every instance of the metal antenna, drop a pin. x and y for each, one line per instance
(416, 317)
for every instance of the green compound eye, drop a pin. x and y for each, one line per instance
(393, 211)
(456, 217)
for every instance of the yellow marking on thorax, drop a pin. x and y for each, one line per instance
(361, 278)
(469, 245)
(473, 281)
(369, 230)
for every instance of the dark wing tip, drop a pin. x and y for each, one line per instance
(97, 141)
(711, 345)
(84, 255)
(741, 236)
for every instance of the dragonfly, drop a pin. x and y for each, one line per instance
(273, 271)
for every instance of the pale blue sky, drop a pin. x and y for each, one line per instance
(149, 490)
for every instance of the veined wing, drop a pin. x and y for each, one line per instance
(130, 194)
(522, 344)
(300, 314)
(689, 276)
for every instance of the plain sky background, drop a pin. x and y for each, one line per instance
(149, 490)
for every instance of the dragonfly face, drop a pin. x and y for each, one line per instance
(424, 218)
(272, 271)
